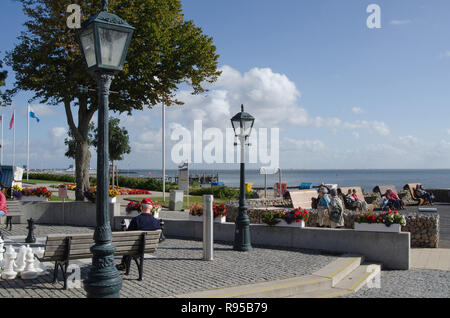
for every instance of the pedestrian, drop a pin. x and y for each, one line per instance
(336, 210)
(322, 207)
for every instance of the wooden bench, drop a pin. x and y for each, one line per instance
(410, 187)
(302, 198)
(359, 192)
(61, 249)
(382, 189)
(14, 209)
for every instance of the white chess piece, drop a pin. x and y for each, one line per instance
(2, 250)
(10, 256)
(19, 264)
(29, 272)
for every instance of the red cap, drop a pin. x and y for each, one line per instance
(147, 201)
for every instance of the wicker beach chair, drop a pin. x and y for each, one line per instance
(410, 187)
(359, 192)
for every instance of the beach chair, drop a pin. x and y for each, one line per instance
(410, 187)
(382, 191)
(359, 192)
(302, 198)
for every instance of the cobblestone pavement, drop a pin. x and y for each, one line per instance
(416, 283)
(177, 268)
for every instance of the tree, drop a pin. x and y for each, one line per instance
(118, 142)
(166, 51)
(3, 75)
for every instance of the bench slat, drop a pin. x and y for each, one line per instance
(75, 247)
(59, 254)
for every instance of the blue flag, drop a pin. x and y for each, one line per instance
(33, 115)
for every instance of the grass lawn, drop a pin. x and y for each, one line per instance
(192, 199)
(55, 198)
(36, 181)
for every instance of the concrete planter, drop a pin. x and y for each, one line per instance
(394, 228)
(300, 224)
(113, 200)
(195, 218)
(221, 219)
(33, 199)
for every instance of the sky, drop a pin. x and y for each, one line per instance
(343, 95)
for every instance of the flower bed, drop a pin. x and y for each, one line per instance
(219, 213)
(32, 194)
(292, 218)
(91, 194)
(390, 221)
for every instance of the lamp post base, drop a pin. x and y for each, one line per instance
(104, 279)
(242, 240)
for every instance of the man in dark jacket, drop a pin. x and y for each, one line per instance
(143, 222)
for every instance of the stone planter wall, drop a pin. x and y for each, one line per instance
(424, 227)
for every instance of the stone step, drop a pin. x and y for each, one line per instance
(359, 277)
(340, 268)
(276, 289)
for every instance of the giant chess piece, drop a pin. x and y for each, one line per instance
(30, 238)
(19, 264)
(162, 237)
(10, 256)
(30, 271)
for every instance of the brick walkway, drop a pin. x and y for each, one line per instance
(176, 268)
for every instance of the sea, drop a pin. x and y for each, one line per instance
(366, 179)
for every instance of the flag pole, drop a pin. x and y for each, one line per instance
(28, 139)
(1, 149)
(14, 141)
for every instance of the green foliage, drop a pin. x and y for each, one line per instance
(271, 218)
(71, 143)
(165, 52)
(221, 192)
(3, 75)
(118, 140)
(150, 184)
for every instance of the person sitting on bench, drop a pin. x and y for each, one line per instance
(422, 194)
(394, 199)
(143, 222)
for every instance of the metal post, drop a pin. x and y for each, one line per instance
(208, 235)
(103, 280)
(164, 150)
(28, 138)
(279, 178)
(242, 231)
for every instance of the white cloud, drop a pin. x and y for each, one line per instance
(357, 110)
(445, 54)
(400, 22)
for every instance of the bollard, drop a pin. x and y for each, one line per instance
(208, 219)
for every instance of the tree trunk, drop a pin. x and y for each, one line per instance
(82, 160)
(83, 155)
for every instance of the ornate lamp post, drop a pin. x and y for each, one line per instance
(104, 40)
(242, 125)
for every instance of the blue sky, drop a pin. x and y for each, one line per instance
(343, 95)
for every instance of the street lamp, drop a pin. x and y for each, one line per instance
(104, 41)
(242, 125)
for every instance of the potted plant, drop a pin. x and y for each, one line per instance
(294, 218)
(220, 213)
(195, 212)
(156, 209)
(271, 218)
(133, 207)
(390, 221)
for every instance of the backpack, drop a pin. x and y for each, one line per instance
(335, 213)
